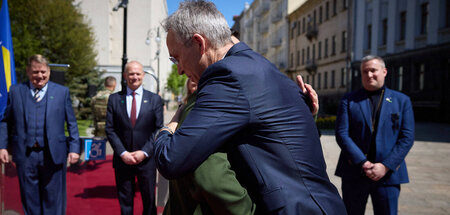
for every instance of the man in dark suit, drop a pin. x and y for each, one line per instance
(33, 128)
(246, 107)
(375, 130)
(131, 120)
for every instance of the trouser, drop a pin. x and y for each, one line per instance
(356, 192)
(42, 183)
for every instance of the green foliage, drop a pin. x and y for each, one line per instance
(326, 122)
(175, 82)
(57, 30)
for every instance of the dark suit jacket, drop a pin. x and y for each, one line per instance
(121, 135)
(395, 134)
(243, 99)
(58, 110)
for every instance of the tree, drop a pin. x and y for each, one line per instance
(176, 82)
(57, 30)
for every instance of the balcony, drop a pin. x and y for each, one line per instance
(311, 32)
(265, 7)
(263, 27)
(276, 41)
(276, 17)
(311, 66)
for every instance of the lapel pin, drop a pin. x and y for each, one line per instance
(122, 101)
(389, 100)
(51, 97)
(145, 101)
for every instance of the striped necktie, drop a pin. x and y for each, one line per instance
(36, 97)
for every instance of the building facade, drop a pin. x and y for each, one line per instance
(319, 48)
(413, 37)
(264, 28)
(143, 26)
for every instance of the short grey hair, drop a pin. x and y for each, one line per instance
(201, 17)
(37, 58)
(373, 57)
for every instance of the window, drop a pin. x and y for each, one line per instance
(344, 41)
(307, 53)
(303, 56)
(314, 18)
(447, 13)
(298, 28)
(334, 8)
(332, 78)
(369, 36)
(318, 80)
(421, 76)
(402, 20)
(384, 25)
(344, 4)
(343, 77)
(325, 80)
(319, 54)
(333, 45)
(326, 48)
(314, 52)
(292, 60)
(424, 18)
(400, 78)
(327, 10)
(320, 14)
(307, 79)
(293, 30)
(298, 57)
(313, 82)
(303, 25)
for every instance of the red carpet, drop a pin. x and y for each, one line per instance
(90, 190)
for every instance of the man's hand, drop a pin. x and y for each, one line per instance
(139, 156)
(128, 158)
(311, 93)
(377, 171)
(73, 157)
(4, 156)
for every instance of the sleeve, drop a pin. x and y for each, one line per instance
(72, 127)
(110, 127)
(5, 118)
(159, 122)
(405, 138)
(345, 142)
(221, 111)
(218, 185)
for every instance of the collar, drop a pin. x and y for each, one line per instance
(42, 89)
(138, 91)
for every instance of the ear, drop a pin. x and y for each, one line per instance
(201, 41)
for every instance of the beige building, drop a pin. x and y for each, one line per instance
(143, 21)
(319, 48)
(263, 26)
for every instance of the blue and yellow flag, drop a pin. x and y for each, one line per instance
(7, 69)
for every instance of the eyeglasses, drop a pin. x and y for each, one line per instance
(173, 60)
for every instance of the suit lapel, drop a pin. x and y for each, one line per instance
(50, 95)
(144, 106)
(385, 106)
(364, 105)
(123, 108)
(24, 90)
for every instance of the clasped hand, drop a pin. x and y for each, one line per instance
(374, 171)
(133, 158)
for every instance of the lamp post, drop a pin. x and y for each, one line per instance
(158, 45)
(123, 4)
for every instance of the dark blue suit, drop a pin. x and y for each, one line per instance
(43, 168)
(243, 99)
(123, 137)
(394, 139)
